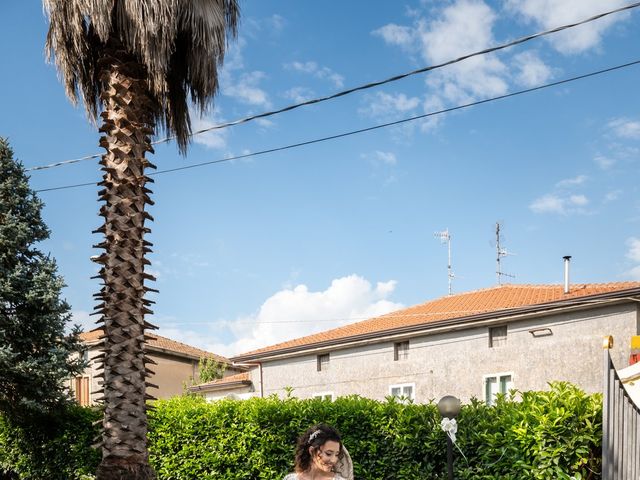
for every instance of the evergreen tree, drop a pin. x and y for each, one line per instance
(35, 352)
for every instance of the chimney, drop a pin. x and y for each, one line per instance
(567, 259)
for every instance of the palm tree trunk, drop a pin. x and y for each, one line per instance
(127, 126)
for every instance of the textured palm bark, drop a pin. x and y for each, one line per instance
(127, 127)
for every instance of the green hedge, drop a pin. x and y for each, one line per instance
(554, 434)
(50, 447)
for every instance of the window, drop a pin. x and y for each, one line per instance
(495, 384)
(405, 392)
(323, 362)
(328, 396)
(400, 351)
(497, 336)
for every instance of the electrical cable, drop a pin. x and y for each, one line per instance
(368, 129)
(576, 302)
(366, 86)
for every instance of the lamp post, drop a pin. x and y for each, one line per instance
(449, 407)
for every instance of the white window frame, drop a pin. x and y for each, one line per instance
(497, 376)
(323, 396)
(402, 386)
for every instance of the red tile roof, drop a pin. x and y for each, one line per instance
(238, 377)
(222, 383)
(498, 300)
(157, 342)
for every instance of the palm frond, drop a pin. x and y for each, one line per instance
(180, 44)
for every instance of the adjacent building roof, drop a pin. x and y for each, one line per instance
(232, 381)
(496, 302)
(161, 344)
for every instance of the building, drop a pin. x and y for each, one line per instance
(473, 344)
(177, 365)
(238, 386)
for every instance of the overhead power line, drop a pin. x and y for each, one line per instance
(365, 86)
(574, 302)
(368, 129)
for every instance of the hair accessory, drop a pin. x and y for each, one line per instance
(313, 436)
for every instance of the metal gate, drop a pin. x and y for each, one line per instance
(620, 422)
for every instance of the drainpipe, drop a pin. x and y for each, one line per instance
(567, 259)
(254, 364)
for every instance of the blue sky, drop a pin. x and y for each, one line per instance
(255, 251)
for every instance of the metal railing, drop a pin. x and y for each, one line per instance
(620, 422)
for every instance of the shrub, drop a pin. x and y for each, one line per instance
(541, 435)
(554, 434)
(52, 446)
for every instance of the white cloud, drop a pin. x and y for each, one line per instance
(432, 104)
(548, 204)
(323, 73)
(547, 14)
(233, 58)
(384, 105)
(578, 200)
(531, 70)
(264, 123)
(259, 28)
(463, 27)
(305, 67)
(276, 22)
(455, 28)
(604, 162)
(398, 35)
(383, 166)
(297, 311)
(460, 28)
(633, 254)
(634, 273)
(572, 182)
(625, 128)
(559, 204)
(214, 139)
(388, 158)
(634, 249)
(612, 196)
(245, 89)
(299, 94)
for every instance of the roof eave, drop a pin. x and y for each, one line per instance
(223, 386)
(166, 351)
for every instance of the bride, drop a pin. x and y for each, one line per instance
(320, 455)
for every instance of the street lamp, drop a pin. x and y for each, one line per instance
(449, 408)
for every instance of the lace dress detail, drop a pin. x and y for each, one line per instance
(294, 476)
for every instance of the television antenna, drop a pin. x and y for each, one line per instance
(445, 237)
(501, 252)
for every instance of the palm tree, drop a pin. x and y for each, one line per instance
(133, 63)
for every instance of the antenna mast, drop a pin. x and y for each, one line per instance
(445, 236)
(500, 252)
